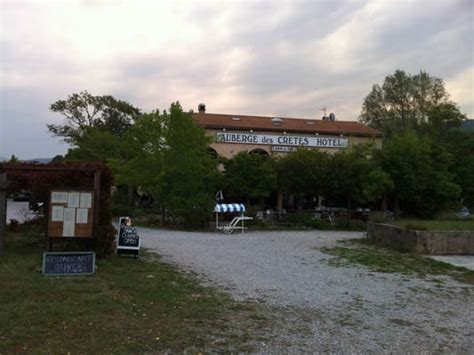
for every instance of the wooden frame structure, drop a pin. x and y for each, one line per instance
(5, 169)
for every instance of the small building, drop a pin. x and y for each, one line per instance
(276, 136)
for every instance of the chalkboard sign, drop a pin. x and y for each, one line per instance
(69, 263)
(128, 239)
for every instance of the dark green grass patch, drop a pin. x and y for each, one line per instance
(130, 305)
(376, 258)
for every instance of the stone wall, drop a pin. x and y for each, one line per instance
(422, 241)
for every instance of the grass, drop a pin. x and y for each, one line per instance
(362, 252)
(437, 224)
(128, 306)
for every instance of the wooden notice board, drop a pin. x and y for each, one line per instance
(71, 213)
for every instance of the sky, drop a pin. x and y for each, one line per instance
(275, 58)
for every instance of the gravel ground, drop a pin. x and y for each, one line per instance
(318, 307)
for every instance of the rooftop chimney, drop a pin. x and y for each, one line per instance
(202, 108)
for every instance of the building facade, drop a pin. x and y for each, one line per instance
(277, 136)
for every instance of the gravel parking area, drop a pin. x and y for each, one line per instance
(318, 307)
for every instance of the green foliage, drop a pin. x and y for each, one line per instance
(84, 110)
(13, 159)
(351, 174)
(188, 173)
(249, 176)
(95, 144)
(167, 156)
(303, 172)
(460, 143)
(57, 159)
(141, 157)
(355, 175)
(422, 174)
(440, 120)
(407, 101)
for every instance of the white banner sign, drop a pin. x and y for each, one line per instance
(287, 140)
(283, 149)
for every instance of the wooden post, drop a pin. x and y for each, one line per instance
(3, 210)
(97, 197)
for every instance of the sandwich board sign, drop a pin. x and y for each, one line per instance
(128, 240)
(69, 263)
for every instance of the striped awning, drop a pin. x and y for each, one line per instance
(229, 207)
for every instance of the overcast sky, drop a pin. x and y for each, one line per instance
(279, 58)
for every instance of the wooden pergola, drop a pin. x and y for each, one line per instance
(6, 169)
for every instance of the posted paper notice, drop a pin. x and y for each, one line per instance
(57, 213)
(59, 197)
(86, 200)
(73, 199)
(82, 215)
(69, 222)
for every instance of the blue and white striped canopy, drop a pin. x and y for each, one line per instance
(229, 207)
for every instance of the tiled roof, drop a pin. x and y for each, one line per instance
(296, 125)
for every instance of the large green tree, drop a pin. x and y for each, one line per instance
(166, 154)
(83, 111)
(188, 172)
(95, 144)
(407, 101)
(249, 177)
(141, 153)
(460, 143)
(422, 173)
(303, 172)
(355, 175)
(94, 127)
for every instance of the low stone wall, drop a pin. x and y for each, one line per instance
(422, 241)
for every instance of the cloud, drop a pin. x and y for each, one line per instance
(277, 58)
(461, 88)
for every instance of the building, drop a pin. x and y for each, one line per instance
(277, 135)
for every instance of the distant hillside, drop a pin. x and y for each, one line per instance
(468, 124)
(37, 160)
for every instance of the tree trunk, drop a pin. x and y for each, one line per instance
(130, 195)
(280, 202)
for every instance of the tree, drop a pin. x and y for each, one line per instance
(95, 144)
(424, 182)
(355, 175)
(303, 172)
(13, 159)
(140, 161)
(440, 120)
(249, 176)
(188, 171)
(84, 111)
(460, 143)
(409, 102)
